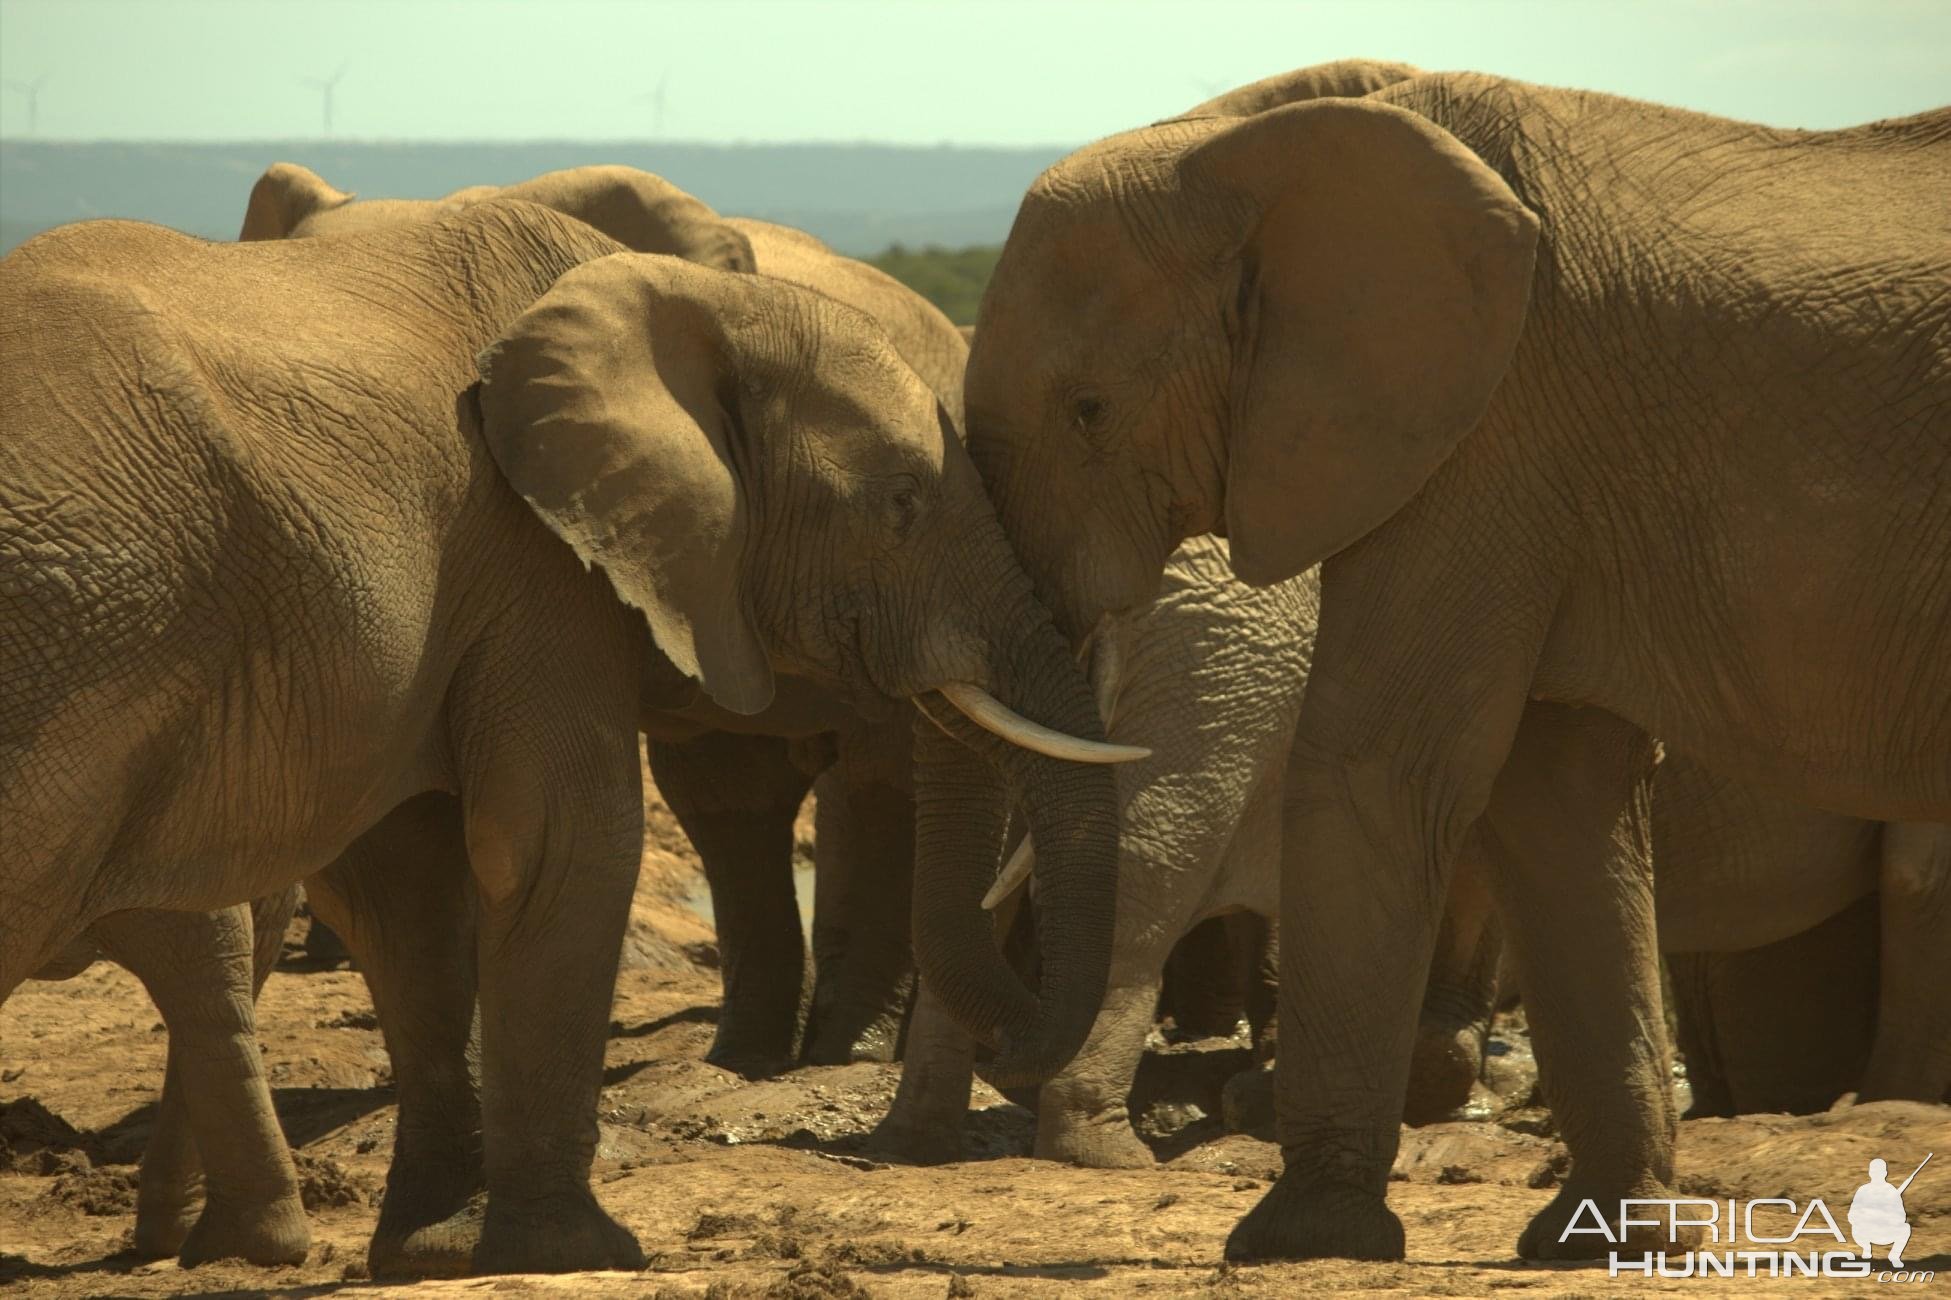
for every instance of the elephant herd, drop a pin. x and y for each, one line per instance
(1409, 507)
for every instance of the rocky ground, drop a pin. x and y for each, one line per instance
(765, 1189)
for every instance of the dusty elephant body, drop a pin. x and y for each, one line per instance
(1810, 952)
(462, 676)
(736, 783)
(216, 1156)
(1210, 678)
(1571, 372)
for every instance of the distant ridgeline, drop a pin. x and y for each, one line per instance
(861, 198)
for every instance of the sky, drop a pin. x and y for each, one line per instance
(968, 72)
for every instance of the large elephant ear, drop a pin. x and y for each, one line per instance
(610, 406)
(1384, 276)
(283, 198)
(640, 211)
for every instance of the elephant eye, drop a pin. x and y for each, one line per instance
(1087, 412)
(902, 507)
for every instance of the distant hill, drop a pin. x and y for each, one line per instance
(860, 198)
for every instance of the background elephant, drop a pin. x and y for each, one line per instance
(1588, 410)
(1810, 953)
(745, 475)
(216, 1147)
(736, 783)
(1209, 678)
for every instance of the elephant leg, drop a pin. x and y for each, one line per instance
(1571, 872)
(197, 967)
(1912, 1053)
(1083, 1114)
(861, 998)
(399, 897)
(1691, 978)
(924, 1124)
(1459, 998)
(736, 798)
(1208, 975)
(169, 1193)
(553, 811)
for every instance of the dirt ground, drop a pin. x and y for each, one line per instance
(763, 1189)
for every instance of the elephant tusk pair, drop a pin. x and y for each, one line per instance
(991, 714)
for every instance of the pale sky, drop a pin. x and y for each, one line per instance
(1005, 72)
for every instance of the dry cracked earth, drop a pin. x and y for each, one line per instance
(766, 1189)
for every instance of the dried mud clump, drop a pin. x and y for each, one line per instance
(325, 1184)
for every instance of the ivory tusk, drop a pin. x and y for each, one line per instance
(1107, 673)
(1014, 873)
(992, 715)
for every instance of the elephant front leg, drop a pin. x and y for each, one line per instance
(399, 899)
(197, 968)
(1911, 1058)
(1083, 1115)
(554, 840)
(924, 1124)
(861, 998)
(1571, 873)
(736, 798)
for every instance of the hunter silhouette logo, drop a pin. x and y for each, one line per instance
(1876, 1218)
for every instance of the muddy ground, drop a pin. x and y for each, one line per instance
(764, 1189)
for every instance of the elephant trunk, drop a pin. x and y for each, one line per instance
(966, 777)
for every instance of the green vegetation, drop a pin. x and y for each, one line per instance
(951, 278)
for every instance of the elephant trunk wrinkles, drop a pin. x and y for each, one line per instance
(964, 780)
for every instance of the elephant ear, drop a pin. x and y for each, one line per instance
(1383, 281)
(640, 211)
(283, 198)
(610, 406)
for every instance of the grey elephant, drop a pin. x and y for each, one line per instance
(736, 783)
(1606, 421)
(216, 1146)
(1209, 677)
(407, 594)
(1809, 952)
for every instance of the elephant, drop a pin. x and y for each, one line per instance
(442, 502)
(1605, 421)
(1809, 952)
(736, 783)
(1209, 677)
(639, 210)
(216, 1138)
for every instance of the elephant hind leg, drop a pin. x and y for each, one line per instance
(197, 967)
(1911, 1058)
(1083, 1113)
(170, 1191)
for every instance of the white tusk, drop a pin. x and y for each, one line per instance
(1107, 672)
(1015, 872)
(991, 714)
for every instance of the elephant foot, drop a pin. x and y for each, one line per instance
(839, 1044)
(1546, 1236)
(566, 1233)
(751, 1053)
(1092, 1143)
(444, 1248)
(915, 1143)
(1442, 1073)
(162, 1226)
(1311, 1218)
(262, 1232)
(1246, 1103)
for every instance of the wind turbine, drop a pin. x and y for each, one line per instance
(325, 86)
(31, 90)
(656, 100)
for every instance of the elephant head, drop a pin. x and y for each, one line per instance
(638, 210)
(756, 471)
(1273, 327)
